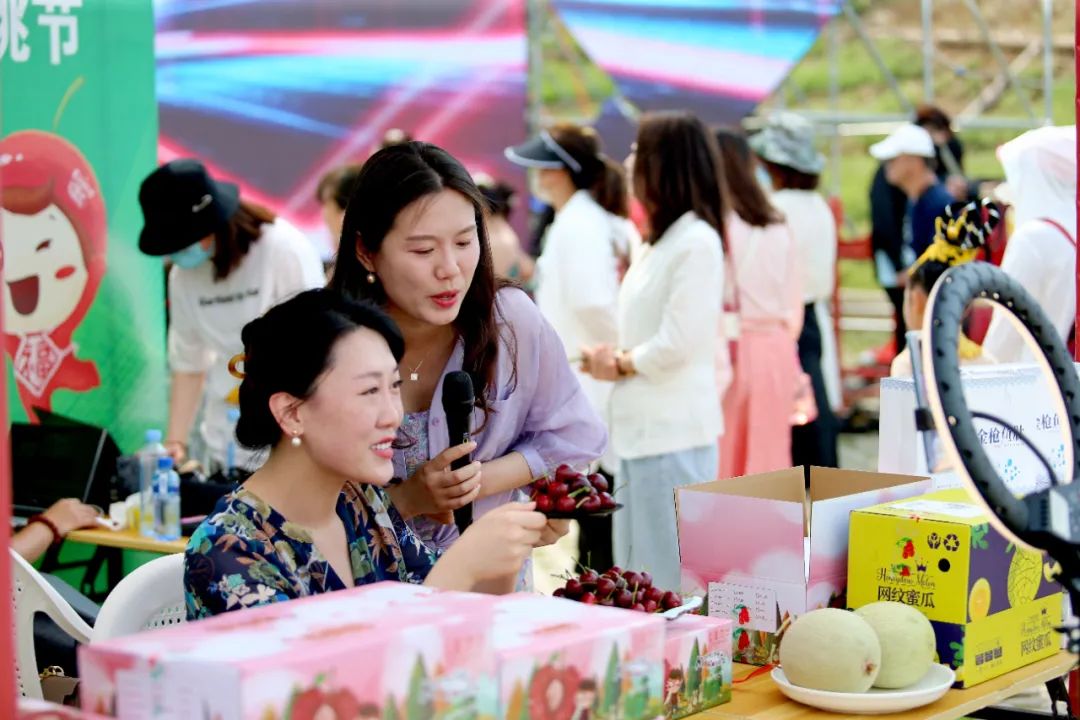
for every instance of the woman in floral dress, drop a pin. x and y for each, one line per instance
(321, 391)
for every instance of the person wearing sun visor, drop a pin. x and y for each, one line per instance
(231, 261)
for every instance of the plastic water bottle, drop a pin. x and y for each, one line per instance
(148, 456)
(166, 501)
(233, 417)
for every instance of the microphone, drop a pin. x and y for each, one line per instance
(458, 401)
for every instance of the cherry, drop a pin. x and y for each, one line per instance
(541, 485)
(581, 483)
(607, 502)
(573, 589)
(620, 583)
(605, 586)
(615, 570)
(599, 482)
(544, 504)
(559, 592)
(607, 602)
(566, 504)
(565, 474)
(638, 607)
(671, 600)
(558, 490)
(591, 504)
(589, 577)
(624, 599)
(589, 599)
(646, 580)
(632, 578)
(654, 594)
(650, 606)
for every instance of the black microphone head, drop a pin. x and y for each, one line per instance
(458, 389)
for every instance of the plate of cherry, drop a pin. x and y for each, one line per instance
(629, 589)
(570, 494)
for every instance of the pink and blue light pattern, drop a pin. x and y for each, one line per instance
(719, 58)
(273, 93)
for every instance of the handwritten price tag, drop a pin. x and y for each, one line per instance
(749, 607)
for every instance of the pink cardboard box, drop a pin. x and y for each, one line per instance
(763, 550)
(29, 709)
(560, 659)
(697, 665)
(380, 651)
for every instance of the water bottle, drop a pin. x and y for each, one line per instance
(148, 456)
(166, 501)
(232, 416)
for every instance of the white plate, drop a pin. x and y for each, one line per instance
(933, 686)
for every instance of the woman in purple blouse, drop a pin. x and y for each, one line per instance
(414, 242)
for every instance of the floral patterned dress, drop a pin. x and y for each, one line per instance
(246, 553)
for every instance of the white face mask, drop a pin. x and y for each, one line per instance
(535, 188)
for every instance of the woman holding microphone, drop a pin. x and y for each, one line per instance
(414, 242)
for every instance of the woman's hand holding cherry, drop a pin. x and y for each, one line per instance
(498, 543)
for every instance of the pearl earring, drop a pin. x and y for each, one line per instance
(296, 441)
(371, 278)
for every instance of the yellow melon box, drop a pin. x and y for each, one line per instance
(993, 605)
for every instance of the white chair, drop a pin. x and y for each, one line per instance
(33, 594)
(150, 597)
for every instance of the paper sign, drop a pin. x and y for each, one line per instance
(937, 507)
(753, 608)
(137, 698)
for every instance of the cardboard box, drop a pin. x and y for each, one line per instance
(697, 665)
(359, 652)
(764, 550)
(1016, 392)
(992, 607)
(561, 659)
(29, 709)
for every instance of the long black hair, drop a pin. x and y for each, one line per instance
(391, 180)
(311, 323)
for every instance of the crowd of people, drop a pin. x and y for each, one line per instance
(679, 331)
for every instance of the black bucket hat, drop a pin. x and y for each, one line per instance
(542, 152)
(181, 205)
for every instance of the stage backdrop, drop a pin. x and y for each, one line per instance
(84, 311)
(273, 93)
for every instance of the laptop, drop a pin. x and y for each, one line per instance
(60, 458)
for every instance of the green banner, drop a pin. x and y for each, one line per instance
(84, 332)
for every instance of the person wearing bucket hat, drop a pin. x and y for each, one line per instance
(231, 261)
(786, 147)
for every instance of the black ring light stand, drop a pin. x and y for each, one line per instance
(1048, 519)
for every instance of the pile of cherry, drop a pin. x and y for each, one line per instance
(615, 588)
(570, 492)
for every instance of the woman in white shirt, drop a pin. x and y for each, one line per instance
(665, 407)
(577, 273)
(585, 249)
(231, 262)
(764, 294)
(1040, 168)
(786, 146)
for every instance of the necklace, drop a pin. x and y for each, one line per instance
(414, 373)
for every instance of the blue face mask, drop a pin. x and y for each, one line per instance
(763, 178)
(192, 256)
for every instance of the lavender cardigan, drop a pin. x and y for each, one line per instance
(545, 416)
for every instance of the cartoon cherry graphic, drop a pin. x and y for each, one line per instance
(744, 640)
(744, 614)
(54, 234)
